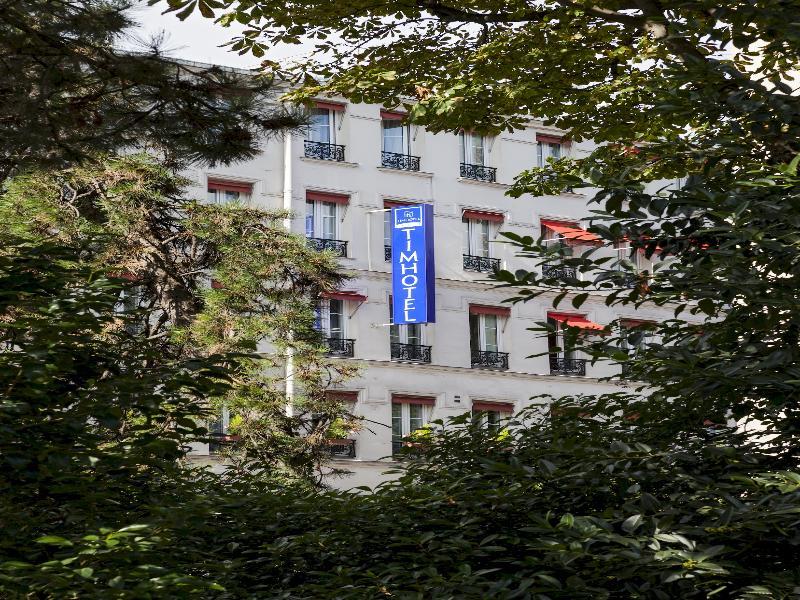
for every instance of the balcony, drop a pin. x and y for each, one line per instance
(416, 353)
(342, 448)
(481, 264)
(401, 162)
(387, 253)
(486, 359)
(338, 247)
(478, 173)
(323, 151)
(567, 366)
(340, 347)
(559, 272)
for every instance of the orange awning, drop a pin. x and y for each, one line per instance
(578, 321)
(572, 232)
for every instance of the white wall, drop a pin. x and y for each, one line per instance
(449, 377)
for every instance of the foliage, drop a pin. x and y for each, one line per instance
(69, 93)
(267, 282)
(91, 424)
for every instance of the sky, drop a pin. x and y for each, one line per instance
(199, 39)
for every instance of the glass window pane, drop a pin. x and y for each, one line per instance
(231, 196)
(555, 151)
(483, 237)
(477, 149)
(414, 333)
(328, 220)
(463, 144)
(394, 137)
(415, 416)
(490, 332)
(387, 228)
(467, 245)
(475, 332)
(397, 421)
(336, 319)
(310, 219)
(212, 196)
(540, 154)
(320, 126)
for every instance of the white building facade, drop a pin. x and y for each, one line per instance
(338, 178)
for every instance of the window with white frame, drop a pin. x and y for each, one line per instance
(322, 126)
(557, 343)
(472, 148)
(404, 334)
(545, 150)
(408, 417)
(321, 219)
(330, 318)
(396, 136)
(477, 234)
(636, 336)
(484, 333)
(221, 192)
(490, 418)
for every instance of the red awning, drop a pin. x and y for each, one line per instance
(342, 395)
(230, 186)
(493, 217)
(572, 232)
(352, 296)
(338, 106)
(578, 321)
(327, 197)
(405, 399)
(550, 139)
(395, 204)
(481, 309)
(391, 115)
(503, 407)
(636, 323)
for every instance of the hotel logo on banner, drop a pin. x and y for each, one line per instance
(413, 277)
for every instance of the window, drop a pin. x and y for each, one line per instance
(404, 334)
(636, 336)
(131, 299)
(330, 318)
(409, 414)
(321, 219)
(396, 136)
(484, 333)
(221, 192)
(322, 127)
(477, 233)
(547, 150)
(557, 343)
(491, 414)
(472, 146)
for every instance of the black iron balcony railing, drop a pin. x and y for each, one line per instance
(559, 272)
(411, 352)
(478, 172)
(567, 366)
(340, 346)
(323, 151)
(387, 253)
(338, 247)
(481, 264)
(402, 162)
(342, 448)
(486, 359)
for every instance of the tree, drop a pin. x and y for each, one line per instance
(69, 93)
(267, 282)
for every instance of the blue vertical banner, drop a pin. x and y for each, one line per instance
(413, 275)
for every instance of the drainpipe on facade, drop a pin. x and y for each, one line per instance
(287, 223)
